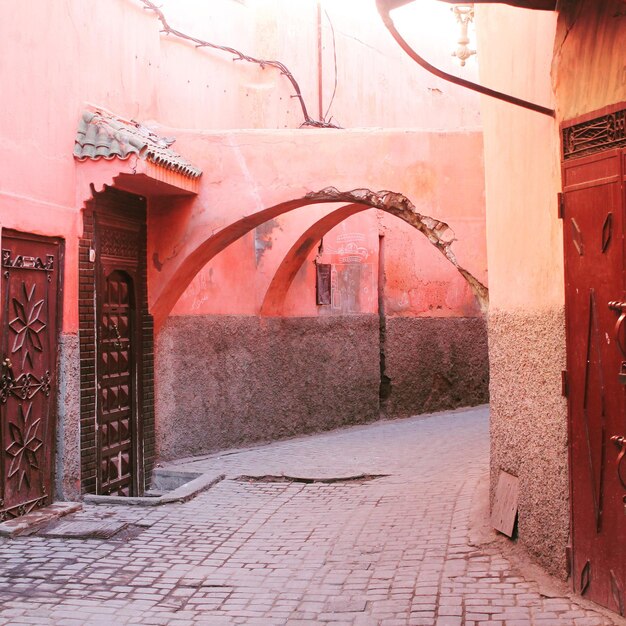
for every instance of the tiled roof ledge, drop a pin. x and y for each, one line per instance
(101, 135)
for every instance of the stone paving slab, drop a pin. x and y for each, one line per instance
(183, 493)
(389, 551)
(77, 529)
(31, 521)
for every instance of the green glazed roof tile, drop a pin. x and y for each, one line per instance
(103, 136)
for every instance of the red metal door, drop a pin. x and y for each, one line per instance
(118, 382)
(30, 288)
(593, 227)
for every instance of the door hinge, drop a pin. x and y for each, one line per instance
(564, 384)
(561, 203)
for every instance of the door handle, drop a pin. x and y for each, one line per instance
(620, 307)
(616, 305)
(620, 442)
(119, 337)
(7, 380)
(7, 367)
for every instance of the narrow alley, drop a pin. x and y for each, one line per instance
(366, 525)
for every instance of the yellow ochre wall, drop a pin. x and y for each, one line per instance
(573, 62)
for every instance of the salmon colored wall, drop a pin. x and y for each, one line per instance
(62, 56)
(352, 250)
(390, 89)
(441, 173)
(522, 166)
(528, 415)
(574, 63)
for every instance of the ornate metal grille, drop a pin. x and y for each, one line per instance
(600, 133)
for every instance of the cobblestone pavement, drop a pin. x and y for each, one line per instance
(388, 550)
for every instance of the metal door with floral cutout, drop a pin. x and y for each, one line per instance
(30, 289)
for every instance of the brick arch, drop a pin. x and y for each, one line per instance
(438, 233)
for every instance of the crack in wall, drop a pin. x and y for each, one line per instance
(385, 387)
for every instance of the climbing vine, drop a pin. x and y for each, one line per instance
(240, 56)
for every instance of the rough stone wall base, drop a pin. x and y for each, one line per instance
(435, 364)
(67, 475)
(225, 381)
(529, 427)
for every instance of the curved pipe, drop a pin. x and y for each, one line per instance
(383, 11)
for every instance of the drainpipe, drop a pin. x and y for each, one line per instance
(384, 388)
(385, 6)
(319, 61)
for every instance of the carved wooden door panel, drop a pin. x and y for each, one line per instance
(30, 292)
(118, 357)
(593, 227)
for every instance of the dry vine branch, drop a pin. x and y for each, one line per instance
(240, 56)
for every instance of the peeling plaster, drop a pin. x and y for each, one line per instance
(263, 239)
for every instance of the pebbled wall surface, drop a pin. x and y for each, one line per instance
(529, 426)
(67, 474)
(227, 381)
(435, 364)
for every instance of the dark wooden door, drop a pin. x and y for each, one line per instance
(593, 226)
(30, 325)
(118, 337)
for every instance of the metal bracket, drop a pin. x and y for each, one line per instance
(620, 442)
(620, 307)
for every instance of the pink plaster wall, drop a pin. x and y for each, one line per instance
(524, 240)
(441, 173)
(352, 250)
(62, 56)
(365, 53)
(572, 61)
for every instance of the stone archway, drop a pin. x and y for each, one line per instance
(438, 233)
